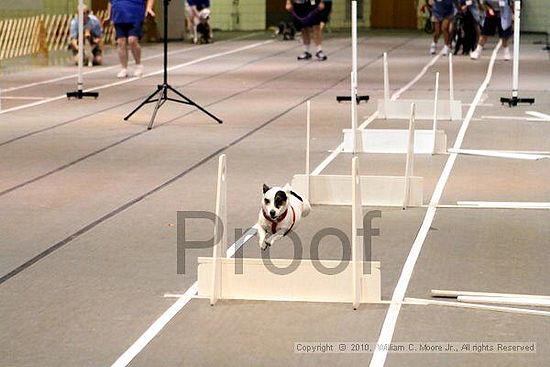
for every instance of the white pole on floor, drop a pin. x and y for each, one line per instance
(409, 166)
(220, 230)
(354, 74)
(453, 294)
(386, 85)
(434, 128)
(308, 137)
(515, 66)
(356, 223)
(505, 300)
(451, 86)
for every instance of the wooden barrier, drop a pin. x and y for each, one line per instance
(41, 34)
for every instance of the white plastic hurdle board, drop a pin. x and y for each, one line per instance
(358, 282)
(399, 109)
(394, 141)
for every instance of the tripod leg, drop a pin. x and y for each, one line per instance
(194, 104)
(147, 100)
(160, 101)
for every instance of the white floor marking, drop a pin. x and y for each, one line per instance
(129, 80)
(386, 334)
(499, 154)
(525, 311)
(539, 115)
(165, 318)
(504, 204)
(106, 68)
(508, 117)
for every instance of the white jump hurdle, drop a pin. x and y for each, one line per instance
(450, 109)
(355, 284)
(395, 141)
(376, 190)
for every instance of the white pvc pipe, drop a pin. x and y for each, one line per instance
(386, 85)
(505, 300)
(409, 166)
(79, 82)
(515, 66)
(451, 86)
(354, 74)
(434, 128)
(453, 294)
(308, 137)
(219, 241)
(353, 91)
(356, 243)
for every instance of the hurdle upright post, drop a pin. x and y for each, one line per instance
(409, 165)
(434, 128)
(356, 224)
(451, 86)
(386, 85)
(219, 249)
(308, 137)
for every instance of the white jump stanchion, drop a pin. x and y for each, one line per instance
(354, 114)
(512, 102)
(451, 84)
(386, 84)
(409, 166)
(220, 229)
(356, 243)
(434, 128)
(79, 93)
(308, 137)
(357, 141)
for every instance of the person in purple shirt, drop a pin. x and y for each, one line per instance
(128, 17)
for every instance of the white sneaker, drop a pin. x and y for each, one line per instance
(123, 73)
(507, 54)
(474, 55)
(433, 48)
(445, 50)
(138, 73)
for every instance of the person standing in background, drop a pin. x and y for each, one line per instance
(128, 17)
(499, 16)
(307, 18)
(442, 19)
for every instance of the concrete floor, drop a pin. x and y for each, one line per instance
(89, 203)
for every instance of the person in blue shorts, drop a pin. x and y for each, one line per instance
(128, 17)
(498, 17)
(442, 20)
(306, 15)
(92, 36)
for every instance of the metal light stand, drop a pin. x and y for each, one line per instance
(514, 100)
(79, 93)
(161, 94)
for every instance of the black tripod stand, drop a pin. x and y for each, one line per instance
(161, 94)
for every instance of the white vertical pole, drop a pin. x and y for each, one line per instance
(356, 223)
(451, 86)
(515, 66)
(386, 85)
(354, 74)
(220, 231)
(434, 129)
(80, 43)
(0, 99)
(409, 166)
(308, 137)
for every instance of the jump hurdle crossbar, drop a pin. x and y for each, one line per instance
(355, 284)
(376, 190)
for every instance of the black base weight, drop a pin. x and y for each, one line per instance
(78, 94)
(348, 99)
(514, 101)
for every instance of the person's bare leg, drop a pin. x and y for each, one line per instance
(306, 39)
(133, 41)
(122, 49)
(436, 34)
(447, 29)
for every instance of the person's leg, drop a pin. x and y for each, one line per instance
(436, 34)
(306, 39)
(446, 26)
(122, 48)
(318, 39)
(133, 41)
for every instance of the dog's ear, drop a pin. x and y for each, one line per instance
(266, 188)
(287, 188)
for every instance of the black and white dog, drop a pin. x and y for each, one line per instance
(281, 211)
(464, 33)
(286, 30)
(203, 30)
